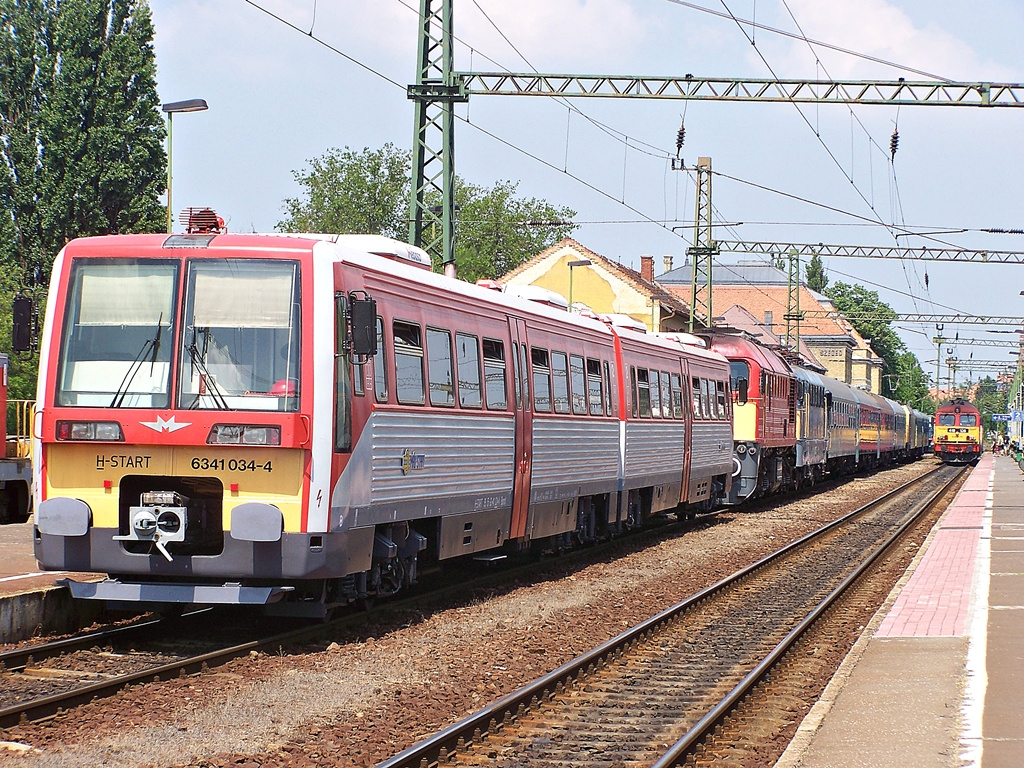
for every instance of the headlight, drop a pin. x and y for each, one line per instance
(101, 431)
(244, 434)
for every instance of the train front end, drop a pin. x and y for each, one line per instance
(173, 427)
(958, 432)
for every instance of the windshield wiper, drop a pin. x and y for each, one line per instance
(197, 361)
(156, 343)
(133, 369)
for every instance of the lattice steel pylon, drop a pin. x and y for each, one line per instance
(793, 314)
(438, 88)
(703, 250)
(432, 227)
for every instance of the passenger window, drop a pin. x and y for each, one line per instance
(541, 380)
(655, 395)
(495, 388)
(357, 380)
(439, 367)
(666, 396)
(643, 393)
(515, 376)
(595, 388)
(408, 362)
(677, 396)
(696, 398)
(560, 382)
(467, 354)
(607, 390)
(723, 408)
(380, 371)
(579, 385)
(526, 377)
(705, 400)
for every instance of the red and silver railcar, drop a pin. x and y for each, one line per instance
(303, 421)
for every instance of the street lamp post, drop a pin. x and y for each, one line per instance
(189, 105)
(571, 265)
(655, 298)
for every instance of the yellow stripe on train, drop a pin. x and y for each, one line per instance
(273, 476)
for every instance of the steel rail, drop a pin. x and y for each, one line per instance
(470, 729)
(17, 658)
(39, 709)
(678, 751)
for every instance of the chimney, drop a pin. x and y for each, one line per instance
(768, 320)
(647, 267)
(668, 262)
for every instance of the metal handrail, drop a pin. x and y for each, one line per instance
(23, 412)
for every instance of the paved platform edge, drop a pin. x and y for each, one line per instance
(815, 717)
(49, 610)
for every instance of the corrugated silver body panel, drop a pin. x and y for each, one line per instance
(575, 451)
(711, 450)
(654, 449)
(461, 456)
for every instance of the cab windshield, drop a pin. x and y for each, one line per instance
(117, 340)
(240, 340)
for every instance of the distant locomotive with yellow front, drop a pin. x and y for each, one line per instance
(958, 432)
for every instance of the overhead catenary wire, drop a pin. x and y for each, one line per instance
(643, 217)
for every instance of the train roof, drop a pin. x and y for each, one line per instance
(738, 347)
(375, 252)
(957, 404)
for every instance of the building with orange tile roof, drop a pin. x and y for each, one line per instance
(762, 291)
(603, 286)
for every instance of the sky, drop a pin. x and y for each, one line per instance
(288, 80)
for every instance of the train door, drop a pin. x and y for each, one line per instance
(524, 429)
(687, 415)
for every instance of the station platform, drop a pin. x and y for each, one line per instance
(30, 602)
(937, 677)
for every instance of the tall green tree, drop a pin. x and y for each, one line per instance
(497, 230)
(104, 164)
(989, 399)
(368, 191)
(814, 276)
(81, 138)
(345, 191)
(909, 383)
(872, 318)
(23, 88)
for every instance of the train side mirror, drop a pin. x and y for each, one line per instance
(363, 313)
(22, 312)
(741, 391)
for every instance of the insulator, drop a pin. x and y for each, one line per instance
(680, 138)
(894, 143)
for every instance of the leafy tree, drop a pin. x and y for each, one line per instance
(368, 192)
(104, 165)
(81, 138)
(497, 231)
(988, 399)
(815, 277)
(353, 192)
(910, 383)
(872, 318)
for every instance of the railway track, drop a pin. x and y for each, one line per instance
(653, 694)
(39, 681)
